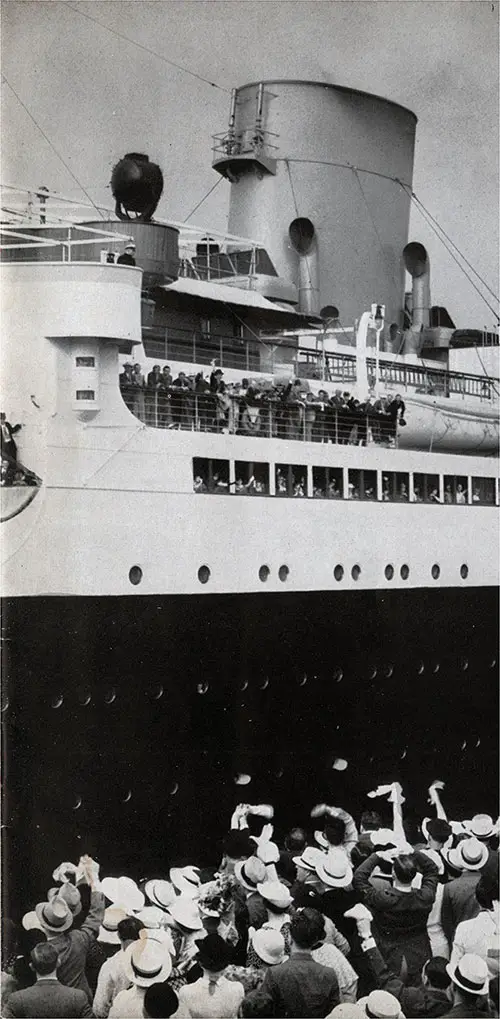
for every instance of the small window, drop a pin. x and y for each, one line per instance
(356, 572)
(389, 572)
(426, 488)
(85, 362)
(85, 394)
(338, 572)
(264, 573)
(405, 572)
(436, 571)
(455, 490)
(135, 575)
(464, 571)
(251, 478)
(283, 573)
(291, 480)
(483, 491)
(210, 476)
(203, 574)
(328, 483)
(362, 485)
(395, 486)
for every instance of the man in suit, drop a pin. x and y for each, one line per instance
(302, 986)
(47, 998)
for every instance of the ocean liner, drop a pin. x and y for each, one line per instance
(289, 560)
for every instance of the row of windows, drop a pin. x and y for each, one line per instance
(295, 481)
(339, 572)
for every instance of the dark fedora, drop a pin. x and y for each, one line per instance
(213, 953)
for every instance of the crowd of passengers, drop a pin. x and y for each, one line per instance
(287, 410)
(380, 918)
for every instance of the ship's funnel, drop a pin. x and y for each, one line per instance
(303, 237)
(416, 262)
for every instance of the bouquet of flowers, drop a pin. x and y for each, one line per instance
(216, 897)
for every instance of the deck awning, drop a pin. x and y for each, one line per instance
(187, 291)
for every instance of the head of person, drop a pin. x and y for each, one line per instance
(129, 930)
(295, 841)
(317, 923)
(44, 958)
(236, 847)
(469, 981)
(160, 1001)
(130, 248)
(487, 890)
(435, 974)
(334, 831)
(438, 832)
(403, 870)
(303, 932)
(257, 1005)
(213, 954)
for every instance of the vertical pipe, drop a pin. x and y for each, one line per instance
(260, 99)
(232, 113)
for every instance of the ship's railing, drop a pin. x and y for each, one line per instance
(249, 141)
(72, 236)
(267, 354)
(269, 417)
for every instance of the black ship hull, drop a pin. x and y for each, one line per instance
(126, 720)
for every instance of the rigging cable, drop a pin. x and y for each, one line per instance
(203, 199)
(146, 49)
(47, 139)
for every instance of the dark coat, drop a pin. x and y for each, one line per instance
(73, 947)
(415, 1001)
(48, 998)
(302, 987)
(459, 902)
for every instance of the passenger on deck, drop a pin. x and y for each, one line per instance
(128, 257)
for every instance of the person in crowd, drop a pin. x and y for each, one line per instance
(469, 988)
(277, 900)
(481, 935)
(256, 1005)
(266, 948)
(429, 998)
(213, 995)
(459, 895)
(8, 446)
(114, 973)
(164, 407)
(301, 986)
(127, 387)
(128, 257)
(153, 387)
(328, 954)
(56, 920)
(339, 828)
(147, 962)
(180, 401)
(47, 997)
(401, 911)
(160, 1001)
(250, 873)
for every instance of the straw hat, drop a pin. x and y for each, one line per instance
(122, 891)
(334, 869)
(481, 826)
(30, 922)
(269, 946)
(470, 973)
(276, 893)
(151, 916)
(54, 916)
(381, 1005)
(108, 931)
(186, 880)
(185, 911)
(470, 854)
(71, 896)
(147, 962)
(250, 873)
(309, 858)
(161, 893)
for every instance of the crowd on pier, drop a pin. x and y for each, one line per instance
(347, 919)
(286, 409)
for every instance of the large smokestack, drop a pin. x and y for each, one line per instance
(417, 264)
(303, 237)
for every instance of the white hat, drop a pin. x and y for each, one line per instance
(151, 916)
(481, 826)
(309, 858)
(276, 893)
(250, 873)
(470, 973)
(381, 1005)
(108, 931)
(186, 880)
(470, 854)
(321, 840)
(147, 962)
(130, 244)
(161, 893)
(30, 922)
(334, 869)
(383, 837)
(185, 911)
(161, 936)
(347, 1010)
(64, 872)
(122, 891)
(269, 946)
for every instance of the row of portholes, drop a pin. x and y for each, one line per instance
(204, 574)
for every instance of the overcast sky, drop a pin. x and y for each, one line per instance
(96, 95)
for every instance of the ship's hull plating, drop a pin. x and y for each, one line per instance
(127, 719)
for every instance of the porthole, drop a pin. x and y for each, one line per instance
(156, 692)
(436, 668)
(405, 572)
(84, 697)
(76, 803)
(372, 672)
(465, 664)
(135, 575)
(5, 704)
(389, 572)
(174, 789)
(420, 668)
(435, 571)
(338, 572)
(389, 669)
(338, 675)
(265, 683)
(127, 797)
(56, 700)
(356, 572)
(302, 681)
(202, 688)
(493, 663)
(464, 571)
(283, 573)
(110, 696)
(264, 573)
(203, 574)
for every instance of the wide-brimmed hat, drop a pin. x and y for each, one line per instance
(185, 911)
(108, 931)
(54, 916)
(71, 896)
(162, 936)
(334, 869)
(481, 826)
(470, 854)
(161, 893)
(186, 880)
(30, 922)
(213, 952)
(381, 1005)
(250, 873)
(269, 946)
(276, 893)
(151, 916)
(65, 872)
(382, 837)
(321, 839)
(147, 962)
(470, 973)
(122, 891)
(309, 858)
